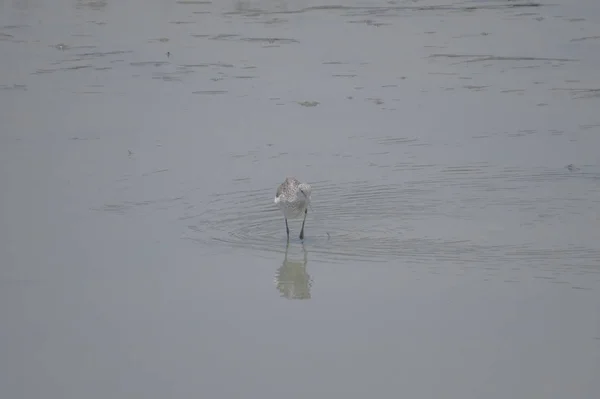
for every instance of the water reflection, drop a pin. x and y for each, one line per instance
(291, 279)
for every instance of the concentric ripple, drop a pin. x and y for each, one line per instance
(357, 220)
(465, 216)
(353, 220)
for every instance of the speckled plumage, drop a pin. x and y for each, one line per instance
(293, 199)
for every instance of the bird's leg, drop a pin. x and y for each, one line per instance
(287, 229)
(303, 220)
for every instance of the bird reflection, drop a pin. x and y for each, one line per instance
(291, 279)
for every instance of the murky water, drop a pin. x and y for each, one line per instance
(452, 250)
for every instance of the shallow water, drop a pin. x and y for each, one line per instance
(452, 249)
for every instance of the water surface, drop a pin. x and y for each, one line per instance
(452, 249)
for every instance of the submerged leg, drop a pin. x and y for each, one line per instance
(287, 229)
(304, 220)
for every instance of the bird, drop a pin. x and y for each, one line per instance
(293, 199)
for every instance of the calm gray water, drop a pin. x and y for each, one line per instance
(452, 251)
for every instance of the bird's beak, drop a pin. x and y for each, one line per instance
(306, 196)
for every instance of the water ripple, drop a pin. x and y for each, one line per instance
(416, 221)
